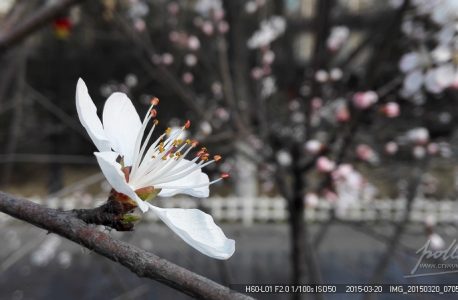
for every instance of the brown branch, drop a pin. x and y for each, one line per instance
(140, 262)
(33, 23)
(400, 227)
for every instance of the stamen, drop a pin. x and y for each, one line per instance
(188, 187)
(154, 101)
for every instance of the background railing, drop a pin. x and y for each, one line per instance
(273, 209)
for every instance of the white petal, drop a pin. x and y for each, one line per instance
(431, 82)
(198, 230)
(441, 53)
(87, 113)
(186, 184)
(445, 74)
(413, 81)
(112, 171)
(122, 125)
(409, 61)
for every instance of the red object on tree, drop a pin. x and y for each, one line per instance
(62, 27)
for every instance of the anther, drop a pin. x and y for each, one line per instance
(154, 101)
(153, 113)
(225, 175)
(187, 124)
(217, 157)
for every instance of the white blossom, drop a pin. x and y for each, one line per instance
(270, 29)
(131, 164)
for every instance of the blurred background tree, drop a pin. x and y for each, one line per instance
(341, 100)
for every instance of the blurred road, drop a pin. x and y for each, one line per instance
(38, 266)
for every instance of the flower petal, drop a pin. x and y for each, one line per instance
(112, 171)
(413, 81)
(198, 230)
(122, 125)
(186, 184)
(87, 113)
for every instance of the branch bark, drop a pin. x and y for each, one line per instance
(140, 262)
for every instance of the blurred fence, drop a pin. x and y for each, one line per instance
(266, 209)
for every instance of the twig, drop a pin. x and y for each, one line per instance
(140, 262)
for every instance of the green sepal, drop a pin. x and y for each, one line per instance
(129, 218)
(147, 193)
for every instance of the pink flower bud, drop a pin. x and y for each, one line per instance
(218, 15)
(313, 147)
(207, 28)
(391, 110)
(223, 27)
(342, 171)
(391, 148)
(139, 25)
(364, 100)
(336, 74)
(167, 59)
(342, 114)
(365, 153)
(257, 73)
(419, 152)
(311, 199)
(433, 148)
(317, 103)
(268, 57)
(193, 42)
(190, 60)
(188, 78)
(330, 196)
(325, 165)
(321, 76)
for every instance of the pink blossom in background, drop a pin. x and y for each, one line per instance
(365, 153)
(342, 114)
(325, 165)
(391, 148)
(188, 78)
(223, 27)
(207, 28)
(317, 103)
(418, 135)
(433, 148)
(313, 146)
(337, 37)
(364, 100)
(311, 200)
(391, 110)
(321, 76)
(193, 42)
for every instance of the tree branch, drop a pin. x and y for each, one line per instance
(33, 23)
(140, 262)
